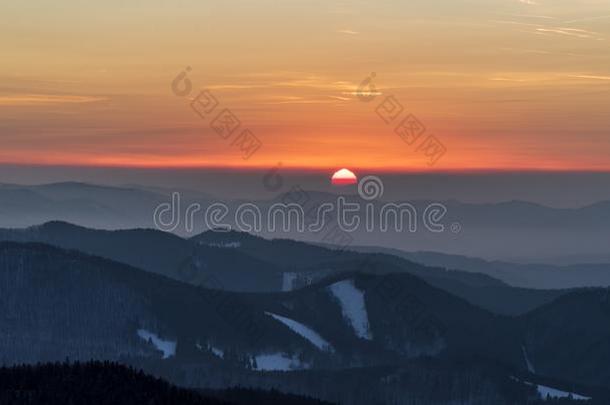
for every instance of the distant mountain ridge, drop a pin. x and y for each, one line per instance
(243, 262)
(532, 275)
(492, 231)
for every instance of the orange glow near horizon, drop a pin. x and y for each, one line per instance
(300, 167)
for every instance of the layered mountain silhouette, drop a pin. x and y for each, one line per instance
(529, 275)
(242, 262)
(380, 326)
(491, 231)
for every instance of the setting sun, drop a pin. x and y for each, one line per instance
(344, 177)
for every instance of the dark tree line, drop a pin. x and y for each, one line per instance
(96, 383)
(108, 383)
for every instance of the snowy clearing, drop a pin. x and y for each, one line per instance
(528, 363)
(548, 392)
(353, 307)
(168, 347)
(553, 393)
(216, 351)
(278, 362)
(312, 336)
(288, 280)
(225, 244)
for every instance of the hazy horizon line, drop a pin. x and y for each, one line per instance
(316, 169)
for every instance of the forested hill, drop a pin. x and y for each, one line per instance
(106, 383)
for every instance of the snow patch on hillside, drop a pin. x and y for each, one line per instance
(548, 392)
(225, 244)
(312, 336)
(198, 264)
(353, 307)
(217, 352)
(528, 363)
(288, 280)
(167, 347)
(278, 362)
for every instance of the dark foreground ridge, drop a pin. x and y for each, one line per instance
(108, 383)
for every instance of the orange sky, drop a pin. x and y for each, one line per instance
(502, 84)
